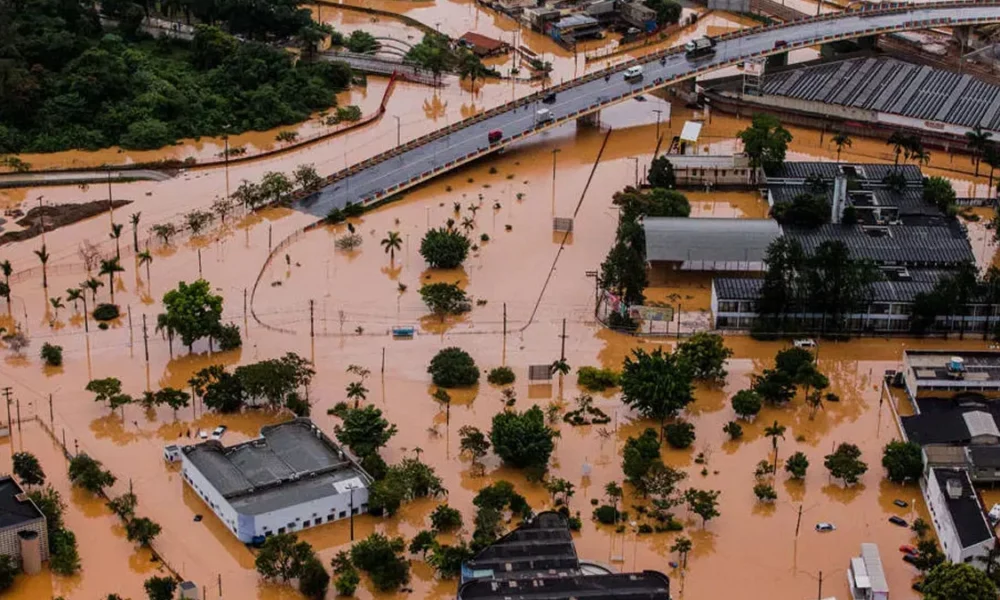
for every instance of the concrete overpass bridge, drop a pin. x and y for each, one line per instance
(438, 152)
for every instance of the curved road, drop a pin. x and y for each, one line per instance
(431, 155)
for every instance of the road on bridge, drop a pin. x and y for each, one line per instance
(379, 178)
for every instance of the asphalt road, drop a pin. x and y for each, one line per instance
(458, 144)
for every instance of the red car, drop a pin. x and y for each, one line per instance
(495, 136)
(780, 44)
(907, 549)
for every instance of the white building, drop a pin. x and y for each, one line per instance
(292, 477)
(866, 577)
(958, 516)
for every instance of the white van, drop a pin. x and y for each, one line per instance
(633, 72)
(543, 115)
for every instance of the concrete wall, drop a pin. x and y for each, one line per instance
(10, 543)
(316, 512)
(219, 505)
(945, 527)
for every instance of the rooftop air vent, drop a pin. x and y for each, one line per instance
(954, 488)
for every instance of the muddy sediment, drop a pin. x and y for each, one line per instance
(50, 217)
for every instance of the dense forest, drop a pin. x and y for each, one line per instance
(66, 81)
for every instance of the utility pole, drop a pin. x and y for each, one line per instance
(562, 351)
(269, 239)
(52, 415)
(658, 113)
(636, 159)
(383, 359)
(819, 593)
(554, 152)
(312, 329)
(398, 138)
(7, 391)
(18, 404)
(798, 521)
(130, 325)
(225, 155)
(244, 304)
(504, 322)
(352, 513)
(145, 337)
(199, 263)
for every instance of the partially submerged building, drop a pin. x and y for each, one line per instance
(23, 531)
(958, 516)
(681, 243)
(866, 575)
(538, 561)
(945, 373)
(290, 478)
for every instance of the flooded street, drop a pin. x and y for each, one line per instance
(526, 281)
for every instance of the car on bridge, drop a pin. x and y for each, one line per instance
(633, 73)
(700, 47)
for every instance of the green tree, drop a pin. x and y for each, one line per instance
(49, 502)
(795, 362)
(733, 429)
(116, 235)
(392, 242)
(939, 192)
(522, 440)
(422, 542)
(680, 434)
(903, 461)
(444, 248)
(845, 463)
(110, 267)
(765, 492)
(668, 12)
(765, 143)
(160, 588)
(746, 404)
(43, 257)
(52, 354)
(928, 555)
(64, 559)
(656, 384)
(362, 42)
(920, 527)
(382, 559)
(364, 430)
(89, 474)
(951, 581)
(124, 506)
(28, 469)
(681, 546)
(661, 173)
(445, 518)
(773, 386)
(275, 187)
(105, 390)
(978, 141)
(774, 432)
(841, 140)
(468, 66)
(474, 443)
(806, 210)
(444, 299)
(192, 311)
(796, 465)
(223, 392)
(314, 581)
(282, 556)
(704, 503)
(639, 454)
(706, 353)
(448, 559)
(142, 530)
(8, 571)
(453, 367)
(272, 381)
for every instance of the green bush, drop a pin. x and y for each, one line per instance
(444, 248)
(608, 515)
(680, 434)
(596, 379)
(106, 312)
(453, 367)
(228, 337)
(501, 376)
(52, 355)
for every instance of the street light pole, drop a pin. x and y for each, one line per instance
(398, 124)
(658, 113)
(352, 513)
(636, 159)
(225, 155)
(554, 152)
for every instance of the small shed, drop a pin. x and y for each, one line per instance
(483, 46)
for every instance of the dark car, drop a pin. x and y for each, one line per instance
(900, 503)
(910, 559)
(549, 98)
(897, 521)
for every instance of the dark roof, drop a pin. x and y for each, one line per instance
(870, 172)
(648, 585)
(289, 463)
(888, 85)
(922, 281)
(14, 511)
(946, 244)
(541, 544)
(908, 202)
(985, 456)
(939, 428)
(965, 511)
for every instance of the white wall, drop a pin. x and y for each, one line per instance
(219, 505)
(293, 517)
(945, 527)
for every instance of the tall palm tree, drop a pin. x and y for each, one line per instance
(841, 141)
(74, 295)
(135, 230)
(681, 546)
(774, 432)
(43, 255)
(92, 284)
(146, 258)
(116, 233)
(991, 156)
(468, 224)
(56, 303)
(469, 66)
(110, 267)
(391, 243)
(560, 366)
(898, 140)
(357, 391)
(7, 269)
(163, 324)
(977, 140)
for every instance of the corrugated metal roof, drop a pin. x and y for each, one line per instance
(681, 239)
(873, 564)
(980, 423)
(870, 172)
(748, 288)
(946, 244)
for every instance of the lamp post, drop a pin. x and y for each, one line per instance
(658, 113)
(397, 129)
(636, 159)
(225, 155)
(554, 152)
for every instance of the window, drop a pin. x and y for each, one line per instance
(305, 523)
(291, 526)
(343, 514)
(330, 518)
(281, 530)
(354, 510)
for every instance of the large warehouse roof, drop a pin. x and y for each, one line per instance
(699, 241)
(889, 85)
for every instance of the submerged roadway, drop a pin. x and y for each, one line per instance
(438, 152)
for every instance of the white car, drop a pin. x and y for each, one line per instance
(218, 431)
(633, 72)
(203, 434)
(825, 527)
(804, 343)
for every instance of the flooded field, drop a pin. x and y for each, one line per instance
(521, 273)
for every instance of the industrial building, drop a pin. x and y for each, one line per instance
(538, 561)
(961, 524)
(944, 373)
(572, 28)
(290, 478)
(709, 244)
(23, 531)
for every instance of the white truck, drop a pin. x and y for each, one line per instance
(702, 46)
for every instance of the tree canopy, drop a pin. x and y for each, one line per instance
(903, 461)
(444, 298)
(706, 354)
(382, 558)
(364, 430)
(71, 83)
(523, 440)
(845, 463)
(951, 581)
(658, 384)
(453, 367)
(28, 469)
(192, 311)
(765, 141)
(444, 248)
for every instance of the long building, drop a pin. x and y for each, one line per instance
(290, 478)
(958, 516)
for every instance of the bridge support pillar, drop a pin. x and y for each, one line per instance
(593, 119)
(685, 90)
(961, 35)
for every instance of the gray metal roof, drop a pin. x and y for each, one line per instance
(872, 173)
(873, 565)
(681, 239)
(888, 85)
(14, 508)
(943, 245)
(748, 288)
(289, 463)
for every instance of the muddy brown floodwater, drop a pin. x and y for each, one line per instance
(537, 276)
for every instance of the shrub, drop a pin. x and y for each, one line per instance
(501, 376)
(52, 354)
(680, 434)
(446, 518)
(106, 312)
(596, 379)
(228, 337)
(444, 248)
(522, 440)
(353, 209)
(608, 515)
(453, 367)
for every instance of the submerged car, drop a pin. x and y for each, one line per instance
(897, 521)
(825, 527)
